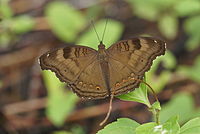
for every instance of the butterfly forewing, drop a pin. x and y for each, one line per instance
(68, 62)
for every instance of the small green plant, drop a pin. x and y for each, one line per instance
(171, 126)
(180, 106)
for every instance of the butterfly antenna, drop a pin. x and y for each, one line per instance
(109, 110)
(95, 30)
(104, 29)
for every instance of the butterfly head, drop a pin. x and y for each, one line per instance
(101, 46)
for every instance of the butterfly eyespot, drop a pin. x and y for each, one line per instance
(97, 87)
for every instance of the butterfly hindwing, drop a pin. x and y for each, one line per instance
(121, 78)
(91, 84)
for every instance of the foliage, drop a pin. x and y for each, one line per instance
(138, 95)
(182, 105)
(76, 129)
(171, 126)
(60, 102)
(191, 72)
(11, 27)
(89, 38)
(169, 62)
(65, 21)
(191, 29)
(121, 126)
(167, 14)
(191, 127)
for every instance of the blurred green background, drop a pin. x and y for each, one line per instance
(36, 102)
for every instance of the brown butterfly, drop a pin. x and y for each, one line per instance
(98, 74)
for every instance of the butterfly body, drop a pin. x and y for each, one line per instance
(97, 74)
(104, 65)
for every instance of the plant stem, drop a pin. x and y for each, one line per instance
(157, 116)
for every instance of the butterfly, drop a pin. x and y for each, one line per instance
(97, 74)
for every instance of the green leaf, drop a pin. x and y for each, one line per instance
(193, 42)
(181, 105)
(22, 24)
(121, 126)
(5, 39)
(60, 103)
(65, 21)
(138, 95)
(168, 26)
(191, 24)
(151, 9)
(187, 7)
(93, 12)
(5, 10)
(156, 105)
(148, 128)
(77, 129)
(144, 9)
(191, 71)
(169, 60)
(171, 126)
(112, 34)
(191, 127)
